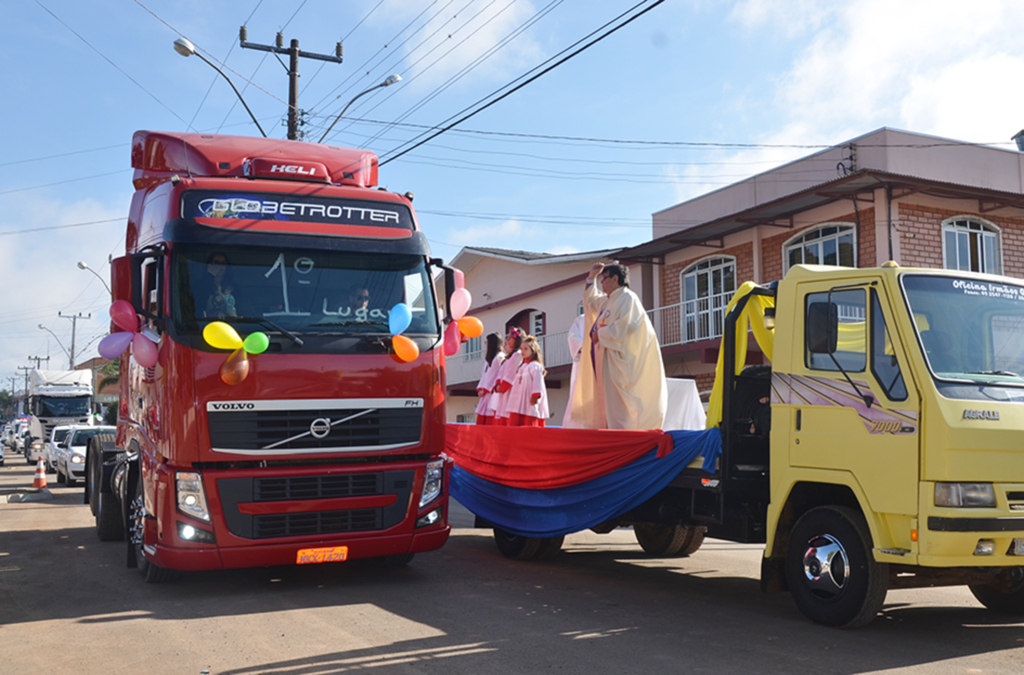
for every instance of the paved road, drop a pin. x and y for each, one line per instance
(68, 605)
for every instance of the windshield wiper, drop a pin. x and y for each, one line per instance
(1005, 373)
(266, 322)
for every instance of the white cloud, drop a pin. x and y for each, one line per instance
(791, 16)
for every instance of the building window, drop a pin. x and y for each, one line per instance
(826, 245)
(971, 246)
(707, 288)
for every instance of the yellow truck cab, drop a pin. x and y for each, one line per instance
(896, 442)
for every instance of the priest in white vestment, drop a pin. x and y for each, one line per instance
(621, 378)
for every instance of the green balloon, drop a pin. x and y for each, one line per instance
(256, 343)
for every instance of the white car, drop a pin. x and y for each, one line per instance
(71, 453)
(50, 451)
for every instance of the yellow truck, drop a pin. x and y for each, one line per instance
(884, 446)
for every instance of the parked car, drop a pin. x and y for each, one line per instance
(1, 454)
(50, 451)
(70, 463)
(17, 435)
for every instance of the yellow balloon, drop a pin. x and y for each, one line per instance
(405, 349)
(471, 326)
(220, 335)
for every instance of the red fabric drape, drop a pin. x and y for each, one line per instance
(541, 458)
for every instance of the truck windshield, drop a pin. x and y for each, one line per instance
(70, 406)
(970, 330)
(302, 291)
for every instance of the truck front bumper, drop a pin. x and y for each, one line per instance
(267, 554)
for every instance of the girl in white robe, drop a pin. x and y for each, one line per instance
(488, 378)
(528, 399)
(499, 402)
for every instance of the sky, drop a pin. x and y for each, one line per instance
(689, 97)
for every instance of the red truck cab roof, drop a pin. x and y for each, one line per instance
(159, 155)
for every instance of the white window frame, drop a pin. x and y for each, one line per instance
(963, 227)
(474, 348)
(800, 239)
(701, 317)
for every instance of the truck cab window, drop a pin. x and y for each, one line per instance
(884, 364)
(851, 342)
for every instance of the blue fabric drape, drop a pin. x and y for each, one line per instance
(564, 510)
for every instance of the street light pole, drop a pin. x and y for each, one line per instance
(186, 48)
(391, 79)
(83, 266)
(42, 327)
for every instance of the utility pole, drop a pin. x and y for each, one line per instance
(39, 359)
(74, 324)
(24, 396)
(293, 53)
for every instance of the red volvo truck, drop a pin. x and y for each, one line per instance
(329, 448)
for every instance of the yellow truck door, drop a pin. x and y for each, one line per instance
(865, 422)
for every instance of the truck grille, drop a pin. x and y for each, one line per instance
(318, 487)
(326, 522)
(314, 430)
(294, 490)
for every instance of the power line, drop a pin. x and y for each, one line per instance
(516, 32)
(62, 182)
(61, 227)
(105, 58)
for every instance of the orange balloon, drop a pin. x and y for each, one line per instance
(405, 349)
(235, 368)
(470, 326)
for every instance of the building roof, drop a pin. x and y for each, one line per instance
(469, 256)
(900, 161)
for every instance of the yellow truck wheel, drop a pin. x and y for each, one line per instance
(832, 574)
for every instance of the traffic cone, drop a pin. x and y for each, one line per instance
(39, 481)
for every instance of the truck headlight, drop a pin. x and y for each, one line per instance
(190, 495)
(77, 459)
(433, 479)
(967, 495)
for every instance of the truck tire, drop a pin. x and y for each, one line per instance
(152, 573)
(109, 526)
(549, 548)
(516, 547)
(832, 574)
(1001, 598)
(667, 541)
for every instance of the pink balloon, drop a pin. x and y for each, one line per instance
(144, 351)
(452, 339)
(114, 345)
(123, 314)
(461, 300)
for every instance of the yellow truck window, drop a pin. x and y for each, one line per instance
(883, 358)
(851, 340)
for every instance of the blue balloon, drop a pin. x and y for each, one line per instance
(399, 318)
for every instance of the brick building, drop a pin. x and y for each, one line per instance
(919, 200)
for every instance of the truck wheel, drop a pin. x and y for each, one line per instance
(549, 547)
(1001, 598)
(831, 572)
(109, 526)
(515, 547)
(666, 541)
(153, 574)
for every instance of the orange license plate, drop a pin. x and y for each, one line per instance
(308, 556)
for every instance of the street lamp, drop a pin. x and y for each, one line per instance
(386, 83)
(185, 47)
(83, 266)
(42, 327)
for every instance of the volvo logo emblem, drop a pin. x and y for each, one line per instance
(320, 427)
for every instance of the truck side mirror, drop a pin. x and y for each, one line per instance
(822, 328)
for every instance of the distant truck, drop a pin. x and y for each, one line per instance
(55, 398)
